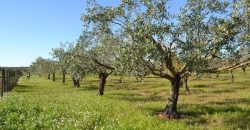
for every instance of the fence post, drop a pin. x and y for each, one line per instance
(1, 93)
(3, 82)
(11, 79)
(9, 74)
(8, 80)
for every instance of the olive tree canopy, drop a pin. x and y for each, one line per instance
(170, 45)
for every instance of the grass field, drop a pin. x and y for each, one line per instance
(39, 103)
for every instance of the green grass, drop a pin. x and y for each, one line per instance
(42, 104)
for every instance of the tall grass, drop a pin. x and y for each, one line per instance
(39, 103)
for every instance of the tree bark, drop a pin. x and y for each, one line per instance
(186, 84)
(171, 108)
(103, 77)
(49, 76)
(74, 82)
(137, 78)
(244, 69)
(54, 76)
(121, 79)
(64, 77)
(232, 76)
(28, 77)
(78, 83)
(217, 75)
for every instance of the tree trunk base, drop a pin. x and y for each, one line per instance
(98, 94)
(168, 116)
(188, 93)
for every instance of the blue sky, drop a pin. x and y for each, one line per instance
(31, 28)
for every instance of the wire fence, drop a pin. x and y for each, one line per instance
(9, 77)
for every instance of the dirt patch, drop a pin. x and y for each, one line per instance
(163, 116)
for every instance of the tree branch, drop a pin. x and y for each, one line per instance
(110, 72)
(232, 67)
(167, 54)
(187, 64)
(237, 65)
(103, 65)
(159, 45)
(156, 72)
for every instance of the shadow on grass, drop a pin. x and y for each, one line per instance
(93, 81)
(211, 115)
(23, 88)
(199, 110)
(229, 90)
(223, 88)
(197, 91)
(232, 101)
(125, 86)
(200, 86)
(131, 81)
(135, 97)
(223, 91)
(137, 86)
(88, 88)
(243, 83)
(223, 115)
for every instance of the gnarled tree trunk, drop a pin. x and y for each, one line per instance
(54, 76)
(28, 77)
(49, 76)
(74, 82)
(232, 76)
(121, 79)
(64, 77)
(217, 75)
(171, 108)
(137, 79)
(186, 84)
(244, 69)
(78, 83)
(102, 77)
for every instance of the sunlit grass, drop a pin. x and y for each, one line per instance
(39, 103)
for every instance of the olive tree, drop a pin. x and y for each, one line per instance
(236, 56)
(78, 61)
(60, 54)
(37, 66)
(169, 46)
(43, 66)
(103, 57)
(129, 64)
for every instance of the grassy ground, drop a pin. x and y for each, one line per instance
(43, 104)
